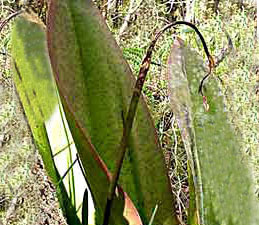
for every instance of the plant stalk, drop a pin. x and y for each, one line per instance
(11, 16)
(133, 107)
(127, 129)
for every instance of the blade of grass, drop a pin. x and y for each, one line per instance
(62, 149)
(153, 215)
(65, 174)
(71, 179)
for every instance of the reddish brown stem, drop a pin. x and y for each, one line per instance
(132, 110)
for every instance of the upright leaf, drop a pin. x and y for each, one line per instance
(180, 99)
(226, 178)
(34, 83)
(96, 84)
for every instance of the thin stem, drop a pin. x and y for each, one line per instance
(4, 22)
(8, 9)
(210, 58)
(69, 168)
(82, 168)
(127, 129)
(62, 149)
(71, 180)
(133, 106)
(153, 215)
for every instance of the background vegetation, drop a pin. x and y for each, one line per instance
(133, 24)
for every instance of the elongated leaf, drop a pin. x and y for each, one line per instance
(180, 99)
(33, 78)
(192, 208)
(34, 83)
(226, 178)
(96, 84)
(98, 178)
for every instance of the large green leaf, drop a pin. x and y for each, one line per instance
(180, 100)
(227, 196)
(95, 84)
(35, 86)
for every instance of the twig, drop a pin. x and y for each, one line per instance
(4, 22)
(13, 204)
(190, 13)
(128, 16)
(153, 215)
(175, 143)
(171, 7)
(226, 51)
(218, 60)
(8, 9)
(133, 106)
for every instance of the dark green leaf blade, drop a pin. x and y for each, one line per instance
(98, 178)
(96, 85)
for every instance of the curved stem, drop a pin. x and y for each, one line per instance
(11, 16)
(133, 106)
(210, 58)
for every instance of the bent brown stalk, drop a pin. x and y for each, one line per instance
(11, 16)
(133, 106)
